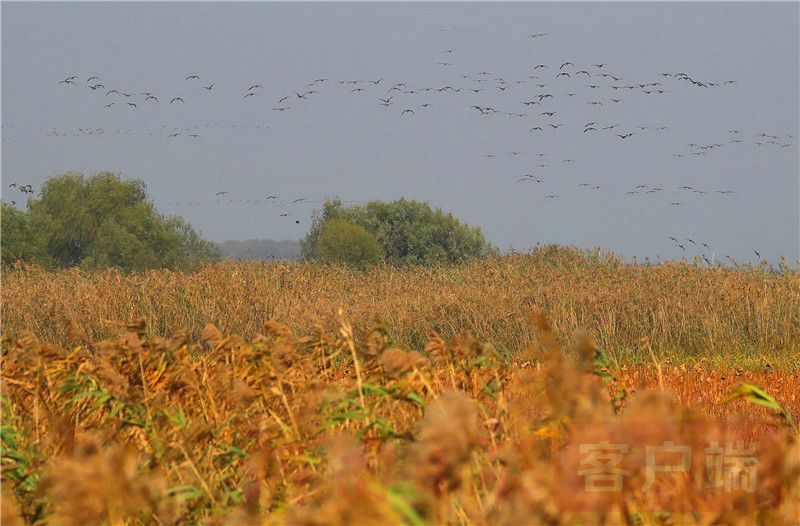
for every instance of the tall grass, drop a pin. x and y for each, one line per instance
(333, 428)
(687, 312)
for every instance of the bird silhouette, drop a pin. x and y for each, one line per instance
(177, 99)
(192, 77)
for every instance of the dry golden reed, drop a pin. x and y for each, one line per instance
(682, 309)
(307, 395)
(281, 429)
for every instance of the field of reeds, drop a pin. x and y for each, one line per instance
(306, 395)
(745, 317)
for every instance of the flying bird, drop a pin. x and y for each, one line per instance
(407, 111)
(177, 99)
(192, 77)
(209, 87)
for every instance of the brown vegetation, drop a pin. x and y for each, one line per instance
(749, 316)
(401, 416)
(328, 429)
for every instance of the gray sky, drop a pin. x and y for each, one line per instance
(347, 144)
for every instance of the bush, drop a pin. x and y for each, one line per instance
(344, 242)
(408, 232)
(99, 222)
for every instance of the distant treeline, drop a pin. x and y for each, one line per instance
(260, 249)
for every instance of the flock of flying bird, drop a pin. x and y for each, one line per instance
(537, 100)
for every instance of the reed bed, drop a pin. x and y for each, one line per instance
(748, 317)
(336, 428)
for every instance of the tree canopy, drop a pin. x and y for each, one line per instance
(408, 232)
(99, 221)
(344, 242)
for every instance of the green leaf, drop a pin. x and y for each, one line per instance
(756, 395)
(349, 415)
(374, 389)
(415, 397)
(179, 417)
(186, 492)
(406, 510)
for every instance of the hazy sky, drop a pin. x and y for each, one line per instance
(346, 143)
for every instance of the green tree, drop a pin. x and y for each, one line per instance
(409, 232)
(102, 221)
(344, 242)
(18, 241)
